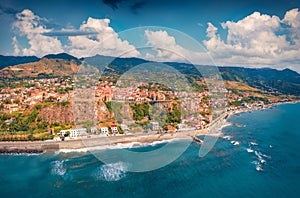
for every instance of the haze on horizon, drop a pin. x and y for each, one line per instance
(251, 34)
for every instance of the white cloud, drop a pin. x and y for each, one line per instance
(15, 46)
(292, 18)
(257, 40)
(31, 26)
(167, 49)
(164, 45)
(105, 42)
(94, 36)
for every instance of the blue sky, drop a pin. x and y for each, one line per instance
(251, 33)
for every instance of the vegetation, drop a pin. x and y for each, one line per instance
(174, 116)
(140, 111)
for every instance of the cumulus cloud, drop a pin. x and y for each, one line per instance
(94, 36)
(105, 42)
(167, 49)
(68, 32)
(164, 45)
(31, 26)
(292, 18)
(15, 45)
(257, 40)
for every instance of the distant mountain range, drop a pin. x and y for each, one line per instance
(16, 60)
(283, 81)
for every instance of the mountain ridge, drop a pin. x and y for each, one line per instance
(284, 81)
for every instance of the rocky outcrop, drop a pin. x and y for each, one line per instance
(57, 113)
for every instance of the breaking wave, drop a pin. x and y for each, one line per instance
(111, 172)
(118, 146)
(58, 168)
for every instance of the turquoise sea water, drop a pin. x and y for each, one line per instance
(227, 171)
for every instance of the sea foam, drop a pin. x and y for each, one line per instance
(111, 172)
(58, 167)
(118, 146)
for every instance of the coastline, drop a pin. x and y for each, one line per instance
(86, 144)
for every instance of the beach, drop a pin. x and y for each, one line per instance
(53, 146)
(90, 142)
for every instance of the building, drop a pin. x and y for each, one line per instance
(104, 130)
(73, 132)
(94, 130)
(114, 129)
(154, 126)
(181, 126)
(124, 127)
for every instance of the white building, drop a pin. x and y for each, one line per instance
(181, 126)
(73, 132)
(154, 126)
(124, 127)
(94, 130)
(114, 128)
(104, 130)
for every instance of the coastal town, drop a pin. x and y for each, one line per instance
(42, 108)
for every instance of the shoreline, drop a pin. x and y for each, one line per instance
(91, 143)
(36, 147)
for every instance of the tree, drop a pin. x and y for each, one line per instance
(67, 134)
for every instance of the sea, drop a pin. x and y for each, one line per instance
(259, 156)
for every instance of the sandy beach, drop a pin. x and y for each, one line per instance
(53, 146)
(96, 141)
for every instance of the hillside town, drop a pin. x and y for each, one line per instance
(141, 107)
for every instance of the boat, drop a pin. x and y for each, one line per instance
(253, 143)
(227, 137)
(234, 142)
(249, 150)
(259, 168)
(262, 161)
(197, 140)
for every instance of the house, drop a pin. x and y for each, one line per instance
(124, 127)
(154, 126)
(73, 133)
(104, 130)
(94, 130)
(181, 126)
(114, 129)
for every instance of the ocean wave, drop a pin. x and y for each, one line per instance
(58, 167)
(118, 146)
(223, 126)
(111, 172)
(264, 155)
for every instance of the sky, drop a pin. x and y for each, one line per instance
(251, 33)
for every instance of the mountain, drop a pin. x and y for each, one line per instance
(271, 80)
(284, 81)
(62, 56)
(16, 60)
(44, 67)
(113, 64)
